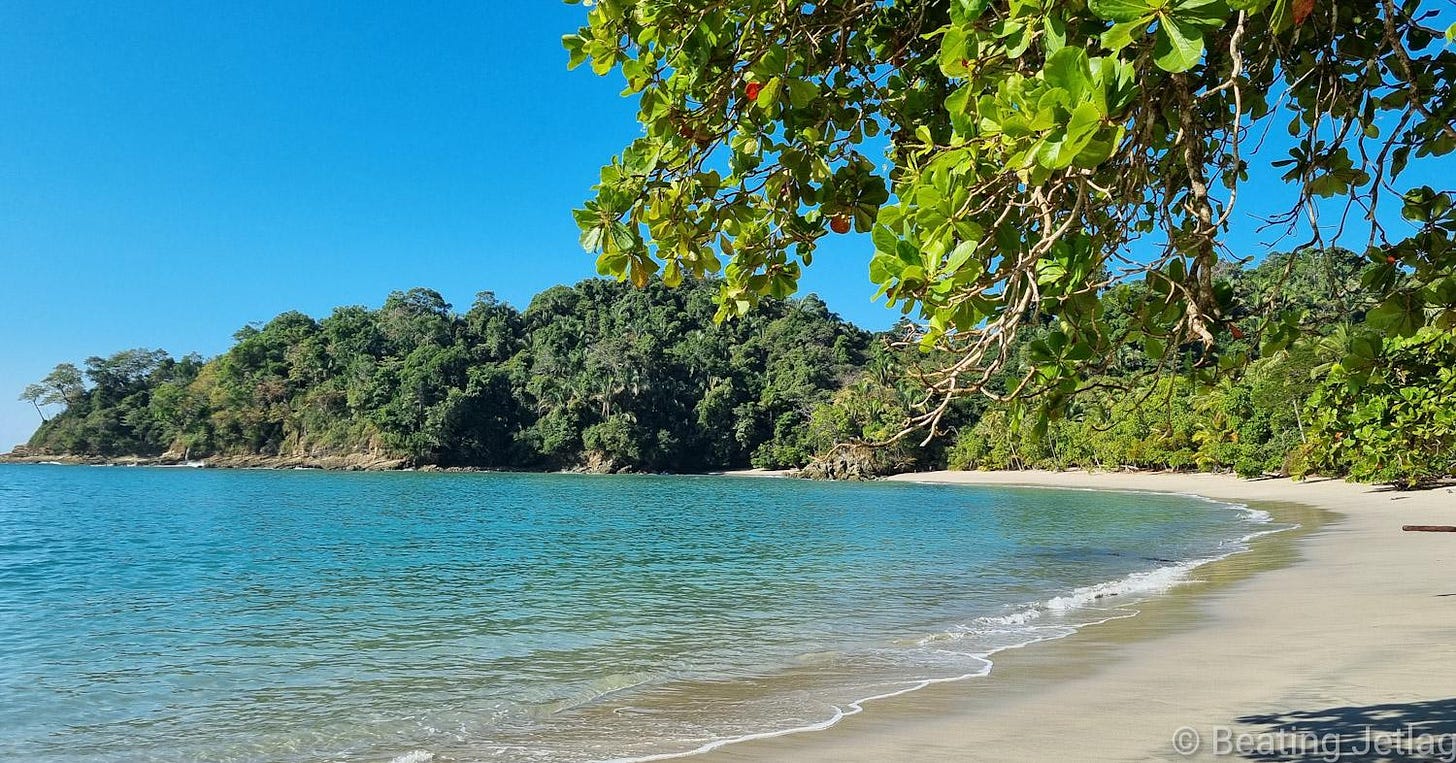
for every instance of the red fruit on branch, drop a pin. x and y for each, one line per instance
(840, 224)
(1390, 259)
(752, 90)
(1237, 332)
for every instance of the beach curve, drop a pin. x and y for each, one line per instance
(1357, 625)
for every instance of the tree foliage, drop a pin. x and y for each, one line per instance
(609, 377)
(1386, 410)
(1010, 158)
(1346, 401)
(599, 375)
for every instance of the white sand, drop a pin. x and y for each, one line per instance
(1361, 629)
(756, 473)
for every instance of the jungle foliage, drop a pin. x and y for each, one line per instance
(608, 377)
(1010, 157)
(600, 375)
(1344, 399)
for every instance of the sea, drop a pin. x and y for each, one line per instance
(238, 615)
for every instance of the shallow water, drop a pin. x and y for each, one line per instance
(180, 614)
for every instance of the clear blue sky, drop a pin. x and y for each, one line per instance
(170, 172)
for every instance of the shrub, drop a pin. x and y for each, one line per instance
(1385, 410)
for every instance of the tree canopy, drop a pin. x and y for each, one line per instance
(608, 377)
(599, 375)
(1012, 158)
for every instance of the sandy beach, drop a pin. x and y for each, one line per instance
(1333, 642)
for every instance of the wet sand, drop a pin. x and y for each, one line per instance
(1337, 640)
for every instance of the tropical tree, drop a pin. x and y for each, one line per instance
(35, 394)
(64, 385)
(1010, 158)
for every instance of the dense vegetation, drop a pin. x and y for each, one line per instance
(1006, 156)
(601, 375)
(1339, 398)
(607, 377)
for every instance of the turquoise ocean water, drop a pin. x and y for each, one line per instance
(183, 614)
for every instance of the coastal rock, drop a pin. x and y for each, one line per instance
(849, 463)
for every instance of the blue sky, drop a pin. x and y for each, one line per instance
(168, 176)
(170, 171)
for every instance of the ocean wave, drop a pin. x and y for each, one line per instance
(1158, 580)
(1039, 622)
(1022, 617)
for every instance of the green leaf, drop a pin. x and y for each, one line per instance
(1401, 314)
(1178, 46)
(672, 274)
(575, 46)
(1281, 16)
(907, 252)
(612, 264)
(1208, 14)
(1054, 33)
(802, 93)
(883, 268)
(1068, 69)
(768, 95)
(1121, 10)
(956, 104)
(953, 51)
(1125, 33)
(1083, 125)
(884, 239)
(966, 11)
(1018, 40)
(1099, 148)
(960, 255)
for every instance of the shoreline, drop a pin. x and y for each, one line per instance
(353, 462)
(1106, 604)
(1340, 629)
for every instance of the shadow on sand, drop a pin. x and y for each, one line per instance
(1389, 732)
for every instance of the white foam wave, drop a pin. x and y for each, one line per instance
(853, 708)
(1134, 586)
(1151, 581)
(1022, 617)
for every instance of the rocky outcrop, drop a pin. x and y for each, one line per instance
(353, 462)
(856, 463)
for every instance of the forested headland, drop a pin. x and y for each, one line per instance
(600, 376)
(605, 376)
